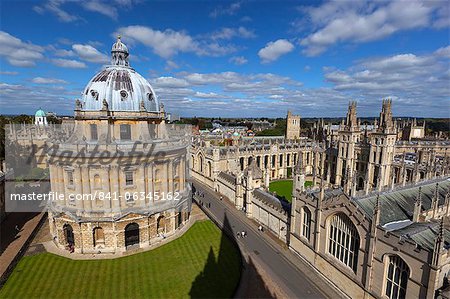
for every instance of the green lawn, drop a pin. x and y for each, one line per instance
(283, 188)
(201, 263)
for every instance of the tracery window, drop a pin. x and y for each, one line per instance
(396, 278)
(343, 240)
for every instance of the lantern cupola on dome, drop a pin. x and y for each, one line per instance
(119, 53)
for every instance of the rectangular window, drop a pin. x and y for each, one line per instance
(94, 135)
(70, 178)
(129, 197)
(125, 132)
(306, 230)
(129, 178)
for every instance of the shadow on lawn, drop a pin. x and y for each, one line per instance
(211, 282)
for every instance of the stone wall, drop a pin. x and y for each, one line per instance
(114, 231)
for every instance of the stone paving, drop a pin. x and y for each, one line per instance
(13, 240)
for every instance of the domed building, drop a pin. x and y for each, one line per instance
(40, 118)
(122, 174)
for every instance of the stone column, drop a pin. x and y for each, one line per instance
(107, 203)
(87, 204)
(170, 178)
(140, 183)
(114, 188)
(79, 181)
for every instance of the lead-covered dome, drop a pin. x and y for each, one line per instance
(40, 113)
(119, 86)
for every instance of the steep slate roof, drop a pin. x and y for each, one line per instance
(328, 193)
(228, 177)
(423, 233)
(271, 200)
(398, 205)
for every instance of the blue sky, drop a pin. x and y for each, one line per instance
(233, 59)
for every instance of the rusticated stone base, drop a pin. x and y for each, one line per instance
(111, 236)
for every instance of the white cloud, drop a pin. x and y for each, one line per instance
(50, 98)
(170, 65)
(19, 53)
(104, 7)
(54, 7)
(273, 50)
(163, 43)
(64, 53)
(89, 53)
(170, 82)
(227, 10)
(9, 73)
(238, 60)
(101, 7)
(168, 43)
(363, 21)
(41, 80)
(417, 83)
(442, 17)
(420, 80)
(227, 33)
(69, 63)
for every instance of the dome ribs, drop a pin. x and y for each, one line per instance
(122, 80)
(102, 76)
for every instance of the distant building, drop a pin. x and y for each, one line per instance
(40, 118)
(260, 125)
(292, 126)
(411, 130)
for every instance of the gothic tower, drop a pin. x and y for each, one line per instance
(348, 136)
(292, 126)
(381, 154)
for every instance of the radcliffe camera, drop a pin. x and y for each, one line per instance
(225, 149)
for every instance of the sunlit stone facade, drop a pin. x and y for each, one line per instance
(123, 172)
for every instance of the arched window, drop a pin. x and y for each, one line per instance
(97, 182)
(99, 236)
(396, 278)
(209, 169)
(68, 234)
(306, 223)
(200, 158)
(131, 234)
(161, 224)
(343, 240)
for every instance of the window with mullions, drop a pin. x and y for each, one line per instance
(306, 223)
(129, 178)
(396, 278)
(125, 132)
(343, 240)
